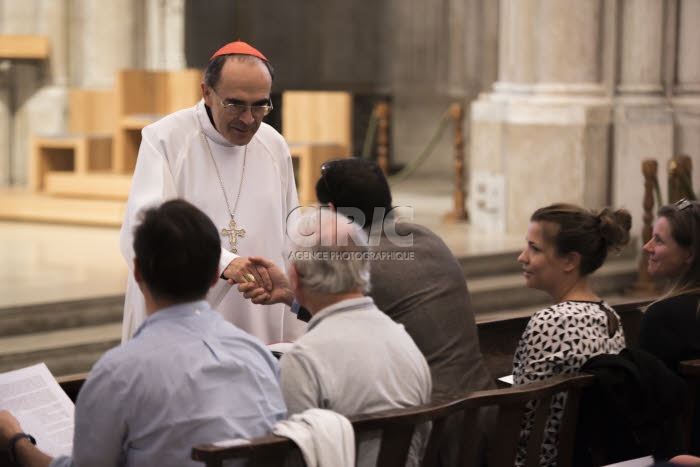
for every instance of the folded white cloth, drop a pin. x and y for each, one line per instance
(325, 438)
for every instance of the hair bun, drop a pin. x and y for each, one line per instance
(615, 227)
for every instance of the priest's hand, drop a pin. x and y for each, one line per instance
(242, 270)
(281, 291)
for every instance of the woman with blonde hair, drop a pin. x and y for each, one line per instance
(565, 244)
(670, 327)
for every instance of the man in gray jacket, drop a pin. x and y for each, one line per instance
(420, 285)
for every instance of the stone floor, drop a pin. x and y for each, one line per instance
(44, 263)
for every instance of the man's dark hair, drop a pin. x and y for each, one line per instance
(177, 248)
(356, 183)
(214, 67)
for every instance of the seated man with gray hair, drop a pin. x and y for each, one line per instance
(353, 358)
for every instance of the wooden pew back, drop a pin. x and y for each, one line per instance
(511, 404)
(499, 339)
(690, 370)
(397, 427)
(71, 384)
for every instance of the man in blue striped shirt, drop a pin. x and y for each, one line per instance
(188, 377)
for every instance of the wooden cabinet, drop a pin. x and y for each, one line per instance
(143, 97)
(317, 126)
(24, 47)
(86, 148)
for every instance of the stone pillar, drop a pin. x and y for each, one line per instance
(440, 55)
(5, 124)
(516, 46)
(542, 135)
(686, 101)
(419, 70)
(641, 45)
(165, 37)
(106, 38)
(642, 116)
(32, 84)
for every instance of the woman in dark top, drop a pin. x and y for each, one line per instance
(670, 327)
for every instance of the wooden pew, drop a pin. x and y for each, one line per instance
(71, 384)
(499, 339)
(690, 370)
(397, 428)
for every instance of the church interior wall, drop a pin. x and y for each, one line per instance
(636, 55)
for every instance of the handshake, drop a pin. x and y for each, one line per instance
(259, 280)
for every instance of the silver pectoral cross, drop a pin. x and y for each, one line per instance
(233, 233)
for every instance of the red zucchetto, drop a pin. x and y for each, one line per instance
(240, 48)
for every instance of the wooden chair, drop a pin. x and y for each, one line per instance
(397, 427)
(690, 370)
(264, 451)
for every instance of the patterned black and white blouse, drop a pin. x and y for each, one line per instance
(559, 340)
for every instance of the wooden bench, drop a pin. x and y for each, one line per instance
(397, 427)
(499, 338)
(690, 370)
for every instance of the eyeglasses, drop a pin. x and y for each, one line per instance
(683, 204)
(236, 110)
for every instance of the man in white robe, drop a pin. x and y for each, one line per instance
(222, 158)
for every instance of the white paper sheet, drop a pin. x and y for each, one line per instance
(43, 410)
(640, 462)
(508, 379)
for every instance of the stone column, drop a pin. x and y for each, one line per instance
(516, 47)
(642, 116)
(542, 135)
(686, 100)
(420, 54)
(441, 53)
(165, 37)
(32, 85)
(641, 45)
(107, 37)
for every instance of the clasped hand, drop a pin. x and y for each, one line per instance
(280, 290)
